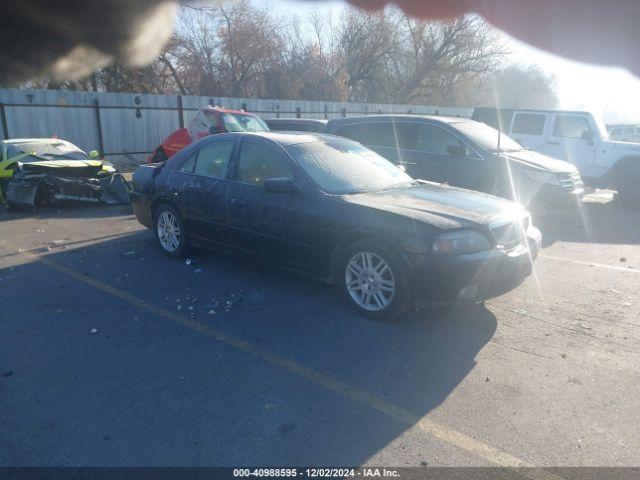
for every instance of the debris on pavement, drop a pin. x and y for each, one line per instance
(130, 254)
(94, 331)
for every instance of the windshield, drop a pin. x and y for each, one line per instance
(236, 122)
(46, 150)
(486, 136)
(342, 166)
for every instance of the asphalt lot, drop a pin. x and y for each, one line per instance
(286, 374)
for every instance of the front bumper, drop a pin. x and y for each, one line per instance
(473, 277)
(553, 197)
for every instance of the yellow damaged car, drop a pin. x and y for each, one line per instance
(36, 171)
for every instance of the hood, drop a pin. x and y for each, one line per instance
(440, 205)
(66, 168)
(629, 146)
(533, 159)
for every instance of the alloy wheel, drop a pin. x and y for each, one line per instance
(370, 281)
(169, 232)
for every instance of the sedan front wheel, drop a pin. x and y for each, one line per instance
(374, 281)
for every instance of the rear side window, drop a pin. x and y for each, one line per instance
(570, 126)
(379, 134)
(213, 159)
(189, 164)
(257, 162)
(528, 124)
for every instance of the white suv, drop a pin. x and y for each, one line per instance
(577, 137)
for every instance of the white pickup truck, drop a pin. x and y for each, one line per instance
(577, 137)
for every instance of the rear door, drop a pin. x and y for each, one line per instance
(279, 225)
(203, 195)
(380, 136)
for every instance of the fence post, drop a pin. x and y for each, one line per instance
(5, 126)
(366, 110)
(344, 111)
(326, 111)
(297, 112)
(180, 112)
(96, 106)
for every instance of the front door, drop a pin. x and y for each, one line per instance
(572, 139)
(440, 156)
(279, 225)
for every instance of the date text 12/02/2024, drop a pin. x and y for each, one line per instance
(372, 472)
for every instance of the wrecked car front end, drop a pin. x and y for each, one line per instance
(37, 183)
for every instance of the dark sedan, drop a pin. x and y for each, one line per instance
(331, 208)
(466, 154)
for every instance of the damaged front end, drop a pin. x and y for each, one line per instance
(38, 183)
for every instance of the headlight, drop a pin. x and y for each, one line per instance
(543, 177)
(456, 243)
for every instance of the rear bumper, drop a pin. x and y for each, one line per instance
(473, 277)
(141, 206)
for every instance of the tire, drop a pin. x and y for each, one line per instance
(385, 293)
(629, 188)
(170, 233)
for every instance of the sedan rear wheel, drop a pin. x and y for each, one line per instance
(374, 281)
(170, 232)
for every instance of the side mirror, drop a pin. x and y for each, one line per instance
(94, 154)
(455, 150)
(587, 135)
(280, 185)
(213, 130)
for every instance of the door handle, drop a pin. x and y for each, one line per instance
(553, 143)
(238, 203)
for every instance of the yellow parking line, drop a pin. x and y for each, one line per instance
(434, 429)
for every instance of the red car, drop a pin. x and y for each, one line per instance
(208, 121)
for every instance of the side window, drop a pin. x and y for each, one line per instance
(528, 123)
(213, 159)
(434, 139)
(378, 134)
(357, 132)
(189, 163)
(258, 162)
(571, 126)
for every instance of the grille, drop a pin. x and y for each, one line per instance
(510, 235)
(570, 181)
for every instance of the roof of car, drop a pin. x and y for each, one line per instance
(530, 110)
(297, 120)
(211, 108)
(403, 116)
(30, 140)
(286, 138)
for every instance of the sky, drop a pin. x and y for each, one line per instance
(612, 93)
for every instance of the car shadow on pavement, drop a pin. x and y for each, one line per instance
(145, 390)
(591, 223)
